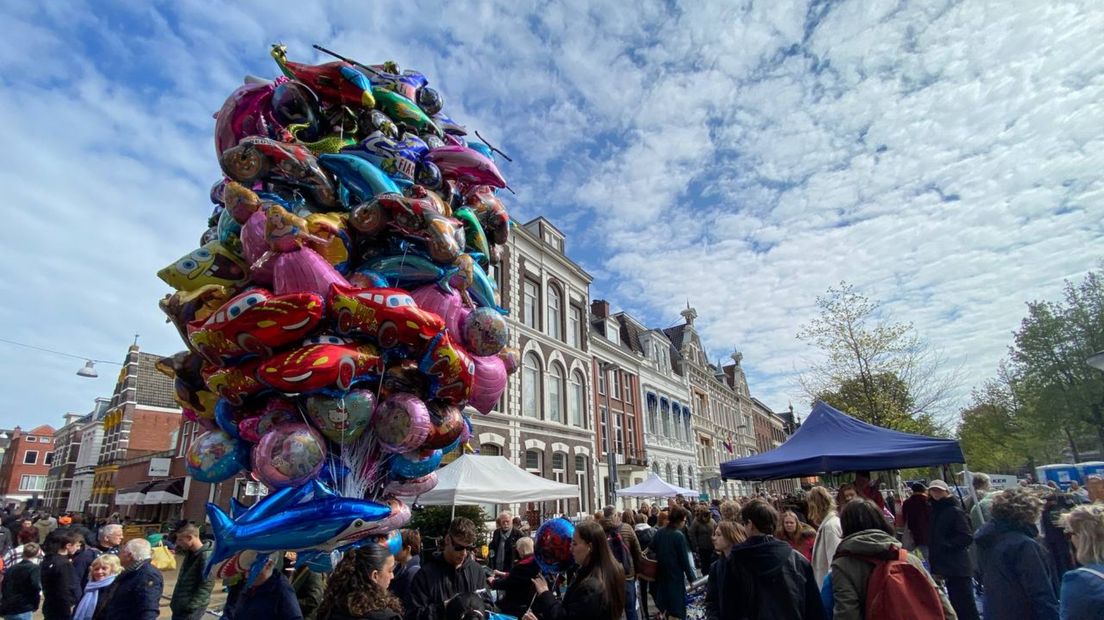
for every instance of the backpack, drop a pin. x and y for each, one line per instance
(619, 549)
(898, 590)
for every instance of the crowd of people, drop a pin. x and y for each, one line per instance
(850, 552)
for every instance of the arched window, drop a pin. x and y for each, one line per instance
(653, 405)
(670, 473)
(681, 482)
(530, 386)
(576, 400)
(686, 424)
(581, 480)
(559, 474)
(666, 417)
(490, 449)
(556, 393)
(655, 468)
(690, 478)
(533, 461)
(555, 312)
(677, 423)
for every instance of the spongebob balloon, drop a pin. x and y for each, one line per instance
(210, 264)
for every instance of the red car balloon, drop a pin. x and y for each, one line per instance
(234, 383)
(255, 323)
(389, 315)
(323, 361)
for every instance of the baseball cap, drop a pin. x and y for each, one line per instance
(939, 484)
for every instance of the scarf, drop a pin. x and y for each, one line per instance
(87, 605)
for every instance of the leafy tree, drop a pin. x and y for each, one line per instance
(999, 433)
(877, 370)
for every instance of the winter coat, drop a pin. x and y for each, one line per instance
(437, 582)
(192, 591)
(701, 539)
(713, 588)
(628, 536)
(585, 599)
(404, 578)
(851, 575)
(1083, 594)
(1016, 573)
(21, 588)
(824, 547)
(509, 551)
(310, 587)
(644, 536)
(272, 600)
(804, 544)
(82, 561)
(767, 579)
(950, 537)
(60, 587)
(917, 513)
(673, 571)
(137, 594)
(517, 587)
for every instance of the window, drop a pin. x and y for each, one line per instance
(675, 417)
(48, 459)
(490, 449)
(555, 312)
(666, 418)
(690, 478)
(533, 461)
(530, 305)
(559, 461)
(686, 424)
(655, 467)
(616, 376)
(530, 386)
(601, 379)
(613, 332)
(576, 403)
(574, 322)
(559, 474)
(681, 482)
(581, 480)
(31, 439)
(32, 483)
(670, 473)
(652, 403)
(619, 434)
(30, 457)
(628, 389)
(631, 432)
(556, 394)
(605, 437)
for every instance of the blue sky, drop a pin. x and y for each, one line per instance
(946, 158)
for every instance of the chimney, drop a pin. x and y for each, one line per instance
(600, 308)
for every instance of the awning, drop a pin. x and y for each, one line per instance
(476, 479)
(134, 494)
(167, 491)
(654, 486)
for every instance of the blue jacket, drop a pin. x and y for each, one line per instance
(272, 600)
(1016, 573)
(137, 594)
(1083, 594)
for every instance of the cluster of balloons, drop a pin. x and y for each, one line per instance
(338, 314)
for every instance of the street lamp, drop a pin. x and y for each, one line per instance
(611, 461)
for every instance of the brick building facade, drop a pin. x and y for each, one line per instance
(26, 464)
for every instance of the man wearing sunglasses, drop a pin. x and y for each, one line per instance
(450, 571)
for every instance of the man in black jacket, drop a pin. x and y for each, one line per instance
(501, 552)
(765, 577)
(448, 572)
(21, 586)
(949, 540)
(138, 588)
(60, 583)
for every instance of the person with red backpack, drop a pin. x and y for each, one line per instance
(872, 577)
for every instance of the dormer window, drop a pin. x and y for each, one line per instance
(613, 332)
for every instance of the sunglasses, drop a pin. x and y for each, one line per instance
(460, 548)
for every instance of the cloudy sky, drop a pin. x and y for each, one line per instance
(944, 157)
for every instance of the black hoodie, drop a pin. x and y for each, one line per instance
(766, 578)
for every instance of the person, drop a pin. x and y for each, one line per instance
(980, 482)
(138, 588)
(82, 559)
(644, 536)
(448, 572)
(1054, 538)
(7, 540)
(726, 535)
(949, 540)
(517, 585)
(620, 534)
(1078, 491)
(21, 586)
(407, 564)
(867, 536)
(597, 592)
(100, 588)
(845, 493)
(359, 588)
(45, 525)
(27, 532)
(798, 535)
(521, 525)
(730, 511)
(60, 583)
(110, 537)
(270, 597)
(701, 537)
(822, 514)
(673, 567)
(466, 607)
(765, 577)
(870, 490)
(1018, 579)
(192, 591)
(917, 515)
(1083, 588)
(503, 543)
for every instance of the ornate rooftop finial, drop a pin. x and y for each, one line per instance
(689, 313)
(737, 356)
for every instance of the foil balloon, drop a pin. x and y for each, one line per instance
(488, 384)
(322, 362)
(255, 323)
(360, 177)
(234, 383)
(341, 418)
(257, 159)
(215, 456)
(446, 423)
(450, 370)
(227, 417)
(296, 268)
(246, 112)
(491, 213)
(392, 542)
(331, 238)
(552, 547)
(401, 423)
(295, 105)
(410, 270)
(404, 111)
(228, 233)
(415, 464)
(511, 359)
(412, 488)
(275, 411)
(254, 247)
(210, 264)
(288, 455)
(465, 165)
(446, 304)
(189, 389)
(336, 83)
(484, 332)
(389, 316)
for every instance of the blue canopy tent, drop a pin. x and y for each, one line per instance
(832, 441)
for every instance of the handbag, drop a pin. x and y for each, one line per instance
(647, 568)
(162, 558)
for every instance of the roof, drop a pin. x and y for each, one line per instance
(630, 332)
(831, 441)
(477, 479)
(154, 388)
(675, 334)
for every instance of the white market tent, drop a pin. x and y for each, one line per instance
(654, 486)
(475, 479)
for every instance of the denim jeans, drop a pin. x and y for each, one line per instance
(27, 615)
(630, 600)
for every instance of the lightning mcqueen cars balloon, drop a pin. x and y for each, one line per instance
(322, 361)
(255, 323)
(389, 315)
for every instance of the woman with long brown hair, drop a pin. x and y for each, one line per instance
(598, 590)
(726, 535)
(357, 590)
(799, 535)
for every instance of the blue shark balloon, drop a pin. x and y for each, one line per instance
(360, 177)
